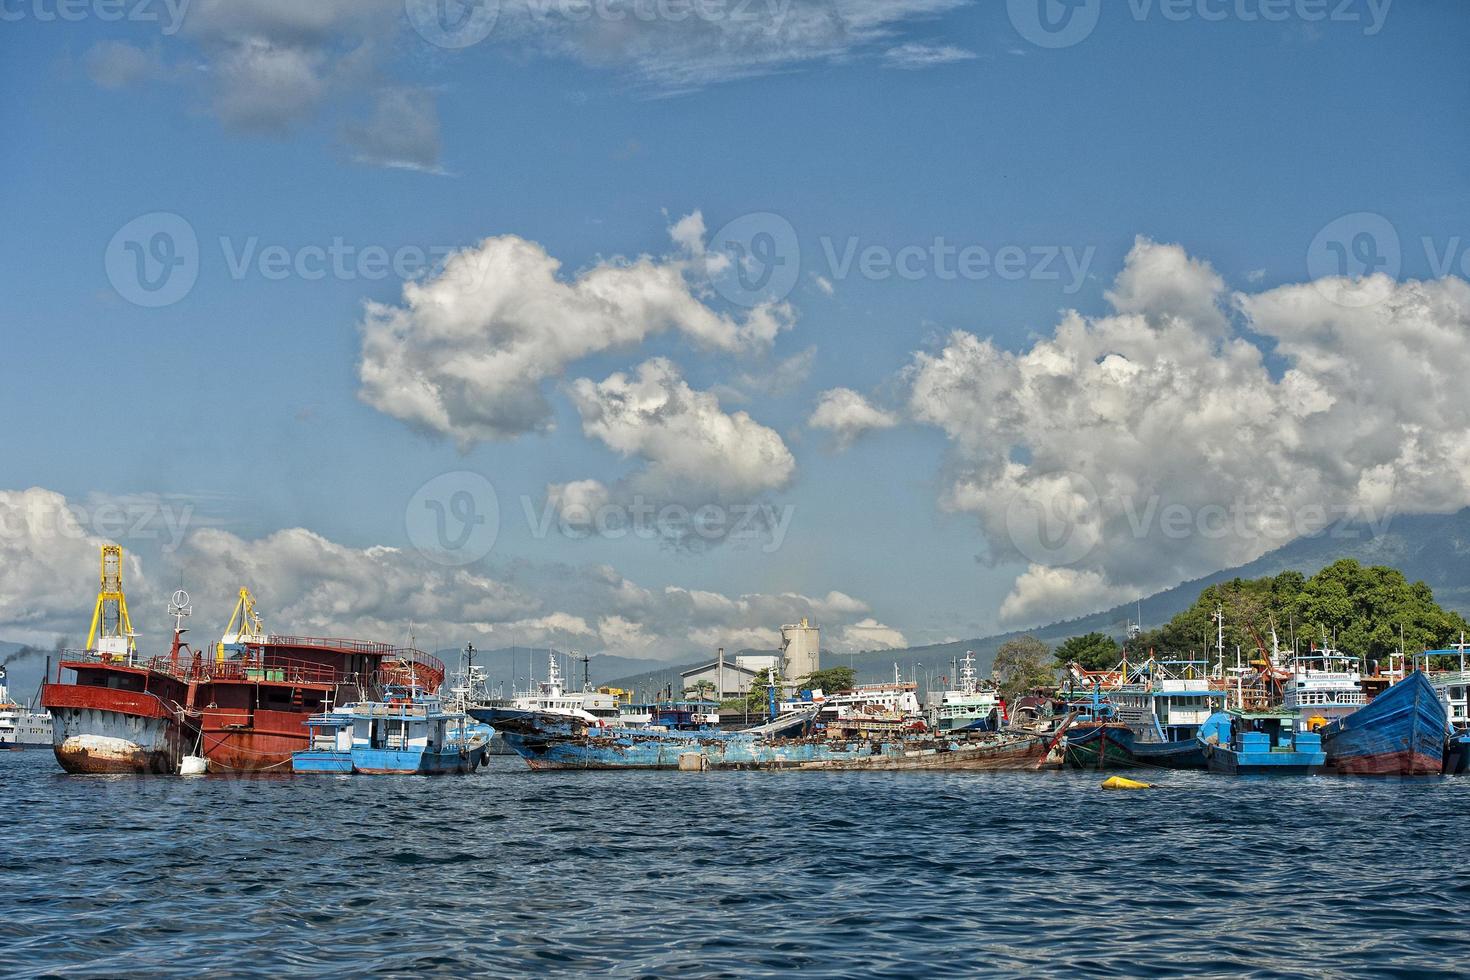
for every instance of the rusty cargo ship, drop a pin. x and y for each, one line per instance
(241, 705)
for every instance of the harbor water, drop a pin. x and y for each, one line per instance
(509, 872)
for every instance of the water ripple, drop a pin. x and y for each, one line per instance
(731, 874)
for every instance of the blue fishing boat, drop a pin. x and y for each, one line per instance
(1165, 702)
(404, 736)
(1263, 743)
(557, 741)
(1097, 737)
(1401, 732)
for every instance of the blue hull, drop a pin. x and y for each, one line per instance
(321, 762)
(1226, 760)
(1181, 754)
(551, 742)
(410, 762)
(1401, 732)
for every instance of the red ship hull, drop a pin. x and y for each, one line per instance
(246, 713)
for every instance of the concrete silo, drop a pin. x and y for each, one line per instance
(801, 651)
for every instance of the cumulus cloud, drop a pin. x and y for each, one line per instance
(469, 352)
(736, 41)
(847, 415)
(690, 447)
(1130, 451)
(309, 584)
(869, 634)
(48, 568)
(913, 56)
(272, 67)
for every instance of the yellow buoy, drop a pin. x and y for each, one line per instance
(1118, 782)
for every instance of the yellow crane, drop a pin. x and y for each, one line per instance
(112, 630)
(244, 627)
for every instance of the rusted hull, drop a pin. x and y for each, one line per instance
(104, 730)
(1022, 756)
(98, 741)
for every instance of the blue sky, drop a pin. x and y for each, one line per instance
(1237, 140)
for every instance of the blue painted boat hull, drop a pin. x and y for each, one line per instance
(313, 761)
(1401, 732)
(552, 742)
(1179, 754)
(1305, 758)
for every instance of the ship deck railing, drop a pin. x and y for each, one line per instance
(261, 665)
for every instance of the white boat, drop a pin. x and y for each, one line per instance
(20, 727)
(972, 705)
(551, 698)
(1167, 700)
(1324, 685)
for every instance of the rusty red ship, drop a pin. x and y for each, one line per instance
(241, 705)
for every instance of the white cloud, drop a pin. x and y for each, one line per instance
(740, 41)
(823, 283)
(913, 56)
(310, 585)
(117, 64)
(48, 569)
(468, 353)
(1162, 282)
(869, 634)
(847, 415)
(1156, 444)
(402, 132)
(273, 67)
(690, 447)
(1045, 594)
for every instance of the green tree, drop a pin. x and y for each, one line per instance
(1358, 609)
(755, 697)
(700, 689)
(1092, 651)
(1021, 664)
(829, 680)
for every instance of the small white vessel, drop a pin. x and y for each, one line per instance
(973, 705)
(20, 727)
